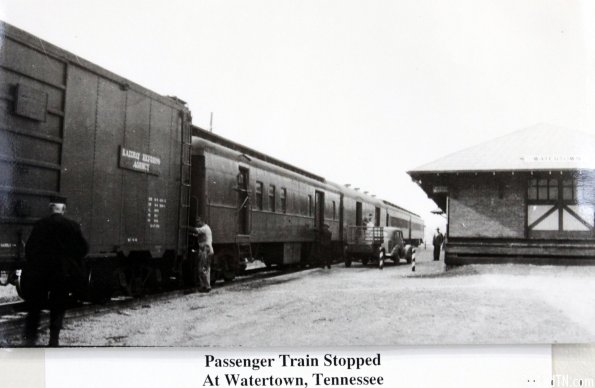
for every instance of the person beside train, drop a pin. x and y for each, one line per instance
(204, 236)
(53, 268)
(370, 222)
(437, 241)
(325, 246)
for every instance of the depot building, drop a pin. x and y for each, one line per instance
(528, 196)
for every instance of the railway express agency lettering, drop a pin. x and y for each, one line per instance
(138, 161)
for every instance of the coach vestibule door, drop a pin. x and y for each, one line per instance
(198, 202)
(243, 202)
(341, 218)
(319, 210)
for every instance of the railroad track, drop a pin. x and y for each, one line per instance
(12, 315)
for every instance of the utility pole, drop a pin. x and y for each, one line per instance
(211, 125)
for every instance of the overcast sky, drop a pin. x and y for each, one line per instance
(356, 91)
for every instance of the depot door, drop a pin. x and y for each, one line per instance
(243, 202)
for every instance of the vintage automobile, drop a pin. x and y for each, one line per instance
(376, 244)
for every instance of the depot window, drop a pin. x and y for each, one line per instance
(568, 190)
(551, 190)
(310, 205)
(259, 195)
(272, 198)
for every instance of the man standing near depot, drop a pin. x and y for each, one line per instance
(437, 241)
(53, 268)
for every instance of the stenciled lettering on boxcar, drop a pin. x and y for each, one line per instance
(138, 161)
(154, 207)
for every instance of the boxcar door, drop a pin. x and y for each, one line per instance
(319, 210)
(243, 202)
(358, 214)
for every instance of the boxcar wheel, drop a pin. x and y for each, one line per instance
(348, 262)
(364, 261)
(100, 284)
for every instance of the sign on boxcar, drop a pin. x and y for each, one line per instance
(138, 161)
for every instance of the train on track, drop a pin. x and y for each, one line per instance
(137, 174)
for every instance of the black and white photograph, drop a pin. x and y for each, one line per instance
(265, 174)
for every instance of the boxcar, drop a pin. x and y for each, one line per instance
(118, 152)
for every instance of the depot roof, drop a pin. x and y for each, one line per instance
(539, 147)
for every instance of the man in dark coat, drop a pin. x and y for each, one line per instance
(437, 242)
(325, 246)
(53, 268)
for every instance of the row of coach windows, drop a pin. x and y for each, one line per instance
(272, 196)
(272, 200)
(551, 189)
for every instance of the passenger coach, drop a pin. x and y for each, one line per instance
(260, 207)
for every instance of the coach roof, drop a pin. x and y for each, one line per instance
(539, 147)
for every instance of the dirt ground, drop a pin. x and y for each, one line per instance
(476, 304)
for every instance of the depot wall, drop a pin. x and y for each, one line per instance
(487, 207)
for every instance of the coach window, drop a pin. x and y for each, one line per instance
(310, 205)
(272, 198)
(283, 200)
(259, 195)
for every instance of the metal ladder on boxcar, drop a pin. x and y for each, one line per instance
(185, 182)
